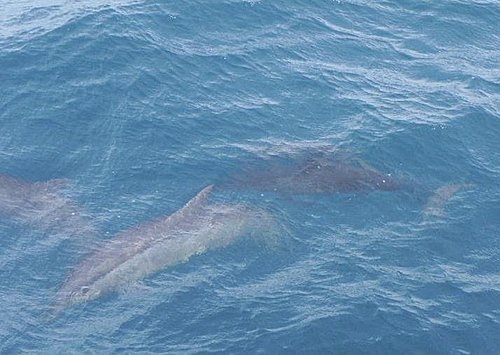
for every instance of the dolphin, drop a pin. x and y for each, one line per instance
(147, 248)
(42, 205)
(318, 176)
(322, 175)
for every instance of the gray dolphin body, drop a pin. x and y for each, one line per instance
(150, 247)
(42, 206)
(318, 176)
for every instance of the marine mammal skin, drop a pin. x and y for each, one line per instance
(150, 247)
(318, 176)
(41, 205)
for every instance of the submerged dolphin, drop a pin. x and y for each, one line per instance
(150, 247)
(41, 205)
(325, 176)
(318, 176)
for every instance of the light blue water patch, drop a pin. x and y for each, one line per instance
(141, 104)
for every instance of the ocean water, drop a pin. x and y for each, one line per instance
(141, 104)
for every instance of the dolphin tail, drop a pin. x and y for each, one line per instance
(436, 202)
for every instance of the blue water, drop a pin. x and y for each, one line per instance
(140, 104)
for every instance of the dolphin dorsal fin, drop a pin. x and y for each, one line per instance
(191, 208)
(199, 199)
(194, 204)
